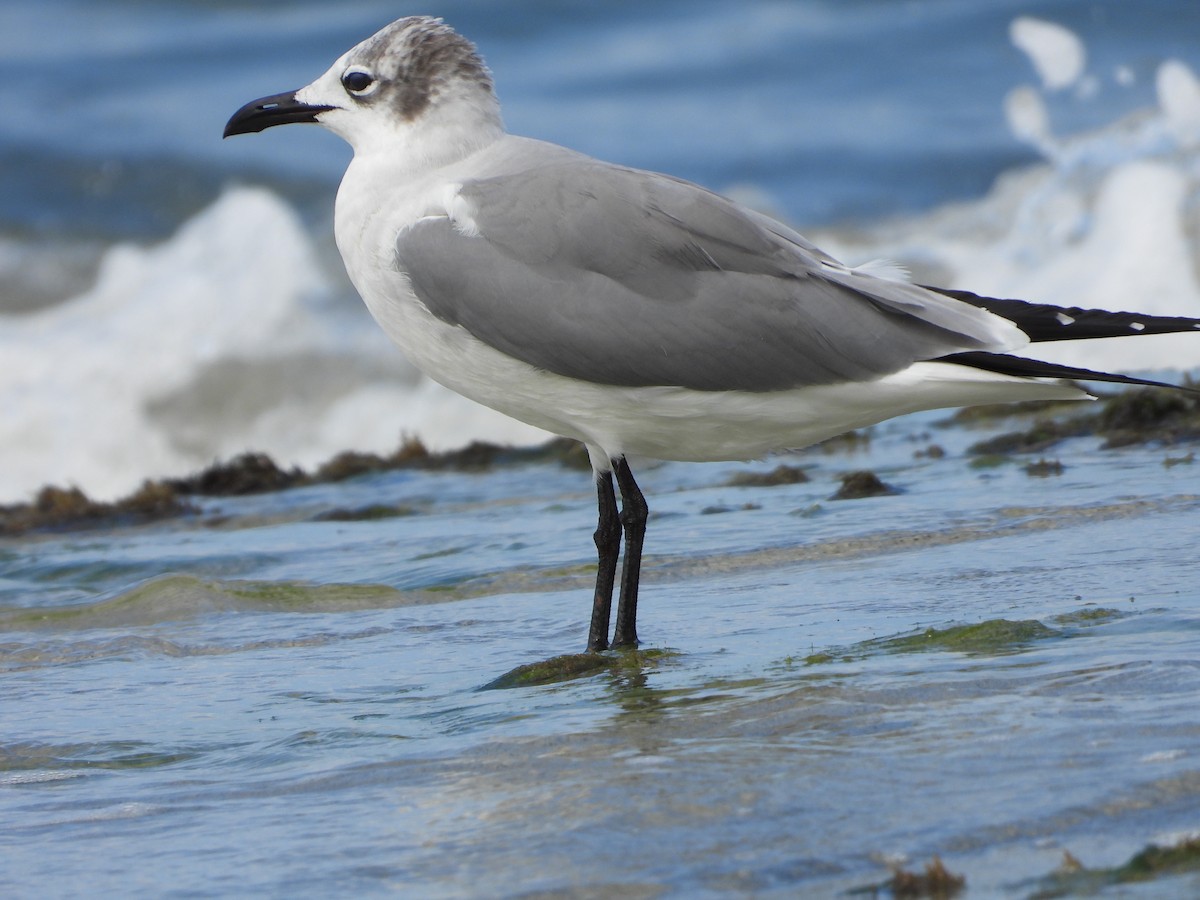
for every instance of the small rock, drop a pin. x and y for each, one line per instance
(857, 485)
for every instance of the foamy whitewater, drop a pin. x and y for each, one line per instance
(234, 333)
(1109, 220)
(221, 339)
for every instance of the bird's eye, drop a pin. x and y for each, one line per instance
(357, 81)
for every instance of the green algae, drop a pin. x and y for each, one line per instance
(438, 554)
(301, 595)
(990, 636)
(580, 665)
(1149, 864)
(1094, 615)
(114, 755)
(370, 513)
(176, 597)
(821, 658)
(1154, 861)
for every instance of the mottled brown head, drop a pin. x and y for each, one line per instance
(411, 63)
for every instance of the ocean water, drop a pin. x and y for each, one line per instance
(253, 700)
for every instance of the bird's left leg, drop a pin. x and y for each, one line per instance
(608, 546)
(634, 513)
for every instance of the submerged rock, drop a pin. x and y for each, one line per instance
(857, 485)
(781, 474)
(578, 665)
(1044, 467)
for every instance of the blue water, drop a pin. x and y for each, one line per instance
(113, 112)
(251, 701)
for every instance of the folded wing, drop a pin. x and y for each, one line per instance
(622, 277)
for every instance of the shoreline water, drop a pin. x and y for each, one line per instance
(290, 703)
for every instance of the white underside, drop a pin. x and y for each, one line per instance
(657, 422)
(682, 424)
(678, 423)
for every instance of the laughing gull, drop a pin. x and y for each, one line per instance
(635, 312)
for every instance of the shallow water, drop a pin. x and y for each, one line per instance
(253, 702)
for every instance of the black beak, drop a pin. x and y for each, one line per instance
(278, 109)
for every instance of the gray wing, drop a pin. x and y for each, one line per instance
(623, 277)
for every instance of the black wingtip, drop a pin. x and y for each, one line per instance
(1046, 322)
(1003, 364)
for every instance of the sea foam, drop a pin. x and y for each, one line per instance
(221, 339)
(1109, 220)
(1057, 53)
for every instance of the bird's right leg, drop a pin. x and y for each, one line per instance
(634, 513)
(608, 547)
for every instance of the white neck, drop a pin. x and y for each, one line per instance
(399, 170)
(452, 129)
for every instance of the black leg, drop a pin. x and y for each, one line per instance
(634, 513)
(608, 545)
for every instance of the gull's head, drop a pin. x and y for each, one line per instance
(416, 85)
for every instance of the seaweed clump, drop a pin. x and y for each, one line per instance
(477, 456)
(857, 485)
(61, 509)
(1148, 864)
(1041, 436)
(249, 473)
(1149, 414)
(936, 882)
(1136, 416)
(65, 509)
(781, 474)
